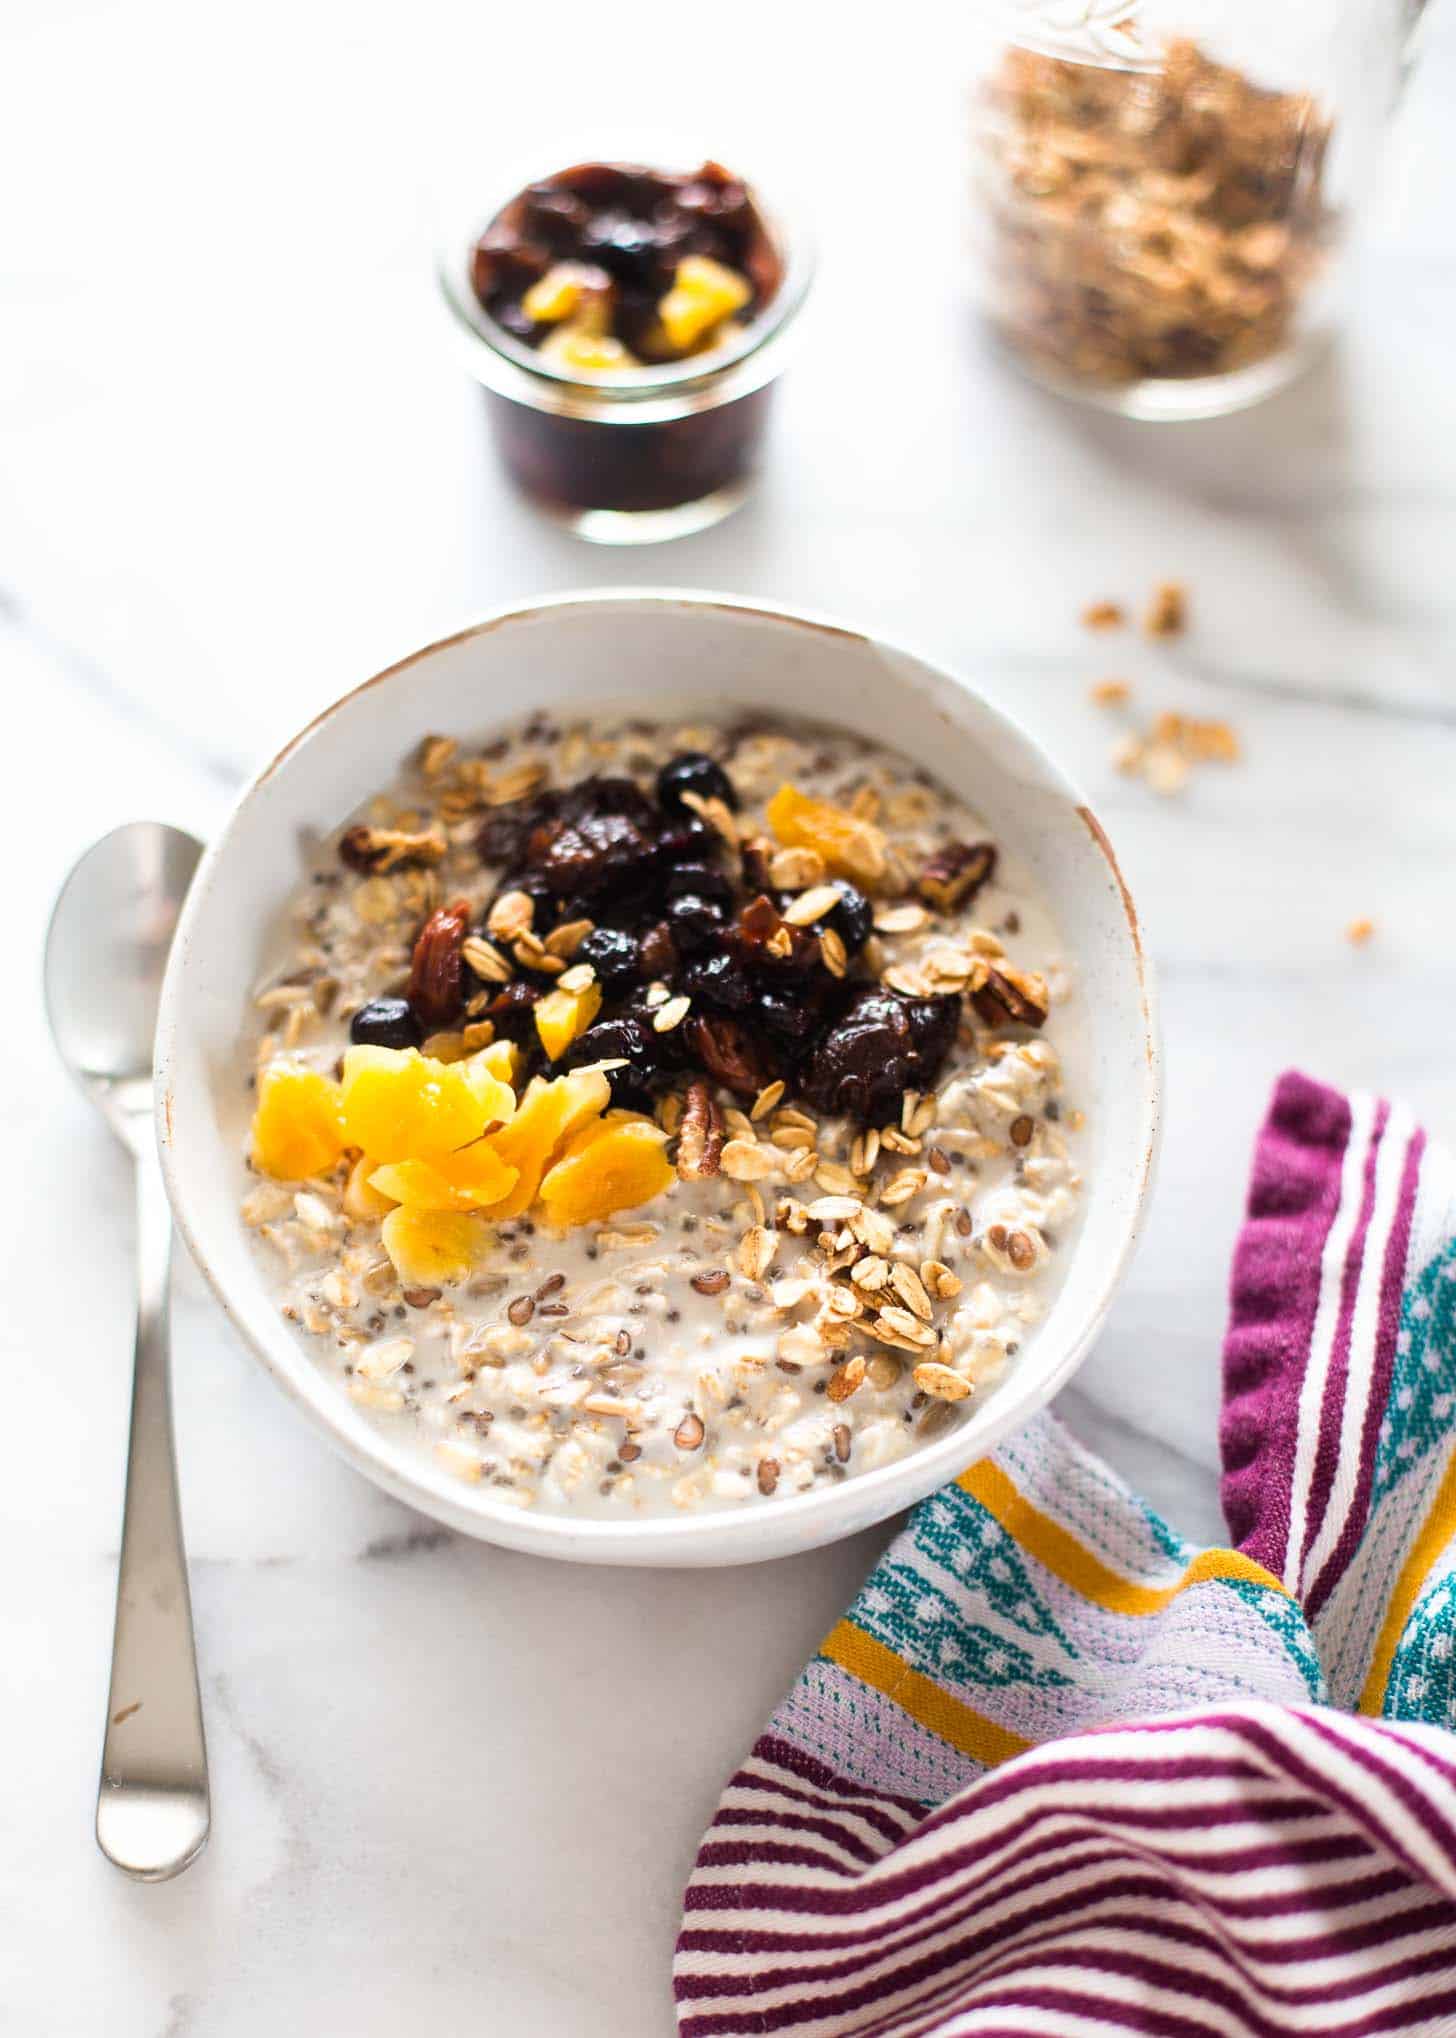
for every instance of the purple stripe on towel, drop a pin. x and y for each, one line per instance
(1293, 1198)
(1337, 1378)
(1397, 1252)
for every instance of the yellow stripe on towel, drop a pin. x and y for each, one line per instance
(1057, 1550)
(1436, 1532)
(924, 1700)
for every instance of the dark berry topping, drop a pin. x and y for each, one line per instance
(597, 855)
(695, 923)
(630, 1040)
(881, 1046)
(615, 955)
(385, 1022)
(691, 771)
(688, 838)
(701, 878)
(633, 226)
(853, 918)
(786, 1017)
(659, 956)
(720, 981)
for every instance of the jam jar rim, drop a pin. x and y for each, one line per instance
(647, 395)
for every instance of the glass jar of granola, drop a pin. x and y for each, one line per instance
(1164, 187)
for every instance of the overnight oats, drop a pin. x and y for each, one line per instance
(655, 1117)
(627, 323)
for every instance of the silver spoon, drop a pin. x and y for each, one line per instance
(105, 954)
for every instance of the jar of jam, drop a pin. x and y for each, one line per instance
(627, 324)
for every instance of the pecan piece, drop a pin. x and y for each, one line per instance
(437, 969)
(383, 849)
(956, 873)
(726, 1052)
(1016, 997)
(700, 1140)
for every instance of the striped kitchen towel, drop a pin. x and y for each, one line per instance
(1059, 1771)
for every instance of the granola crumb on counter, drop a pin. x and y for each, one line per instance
(1103, 615)
(654, 1117)
(1110, 693)
(1358, 932)
(1167, 612)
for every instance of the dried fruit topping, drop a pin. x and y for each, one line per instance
(853, 918)
(629, 1040)
(694, 874)
(727, 1052)
(652, 263)
(437, 972)
(692, 771)
(431, 1248)
(849, 845)
(298, 1127)
(511, 1011)
(704, 293)
(659, 956)
(883, 1045)
(502, 835)
(700, 1136)
(548, 1115)
(385, 1022)
(615, 955)
(721, 981)
(694, 922)
(562, 1016)
(405, 1106)
(956, 873)
(609, 1165)
(1013, 997)
(766, 939)
(385, 849)
(593, 856)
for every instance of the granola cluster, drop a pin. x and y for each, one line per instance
(868, 1186)
(1149, 222)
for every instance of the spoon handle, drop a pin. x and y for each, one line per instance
(152, 1813)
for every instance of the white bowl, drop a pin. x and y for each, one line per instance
(664, 650)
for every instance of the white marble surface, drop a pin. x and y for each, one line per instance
(456, 1790)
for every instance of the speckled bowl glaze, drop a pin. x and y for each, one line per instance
(663, 652)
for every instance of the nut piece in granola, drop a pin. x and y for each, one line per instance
(955, 874)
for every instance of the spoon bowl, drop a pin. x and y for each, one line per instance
(105, 956)
(106, 952)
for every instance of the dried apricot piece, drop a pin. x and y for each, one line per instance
(561, 1016)
(472, 1179)
(362, 1201)
(402, 1105)
(298, 1127)
(502, 1059)
(703, 294)
(546, 1117)
(850, 846)
(432, 1248)
(607, 1167)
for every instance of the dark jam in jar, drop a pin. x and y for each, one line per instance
(608, 272)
